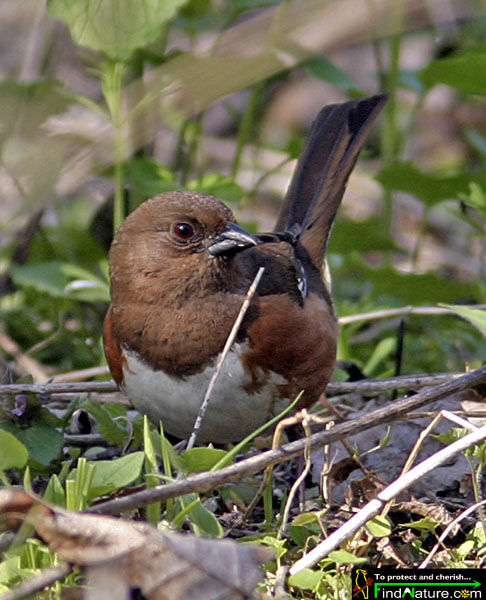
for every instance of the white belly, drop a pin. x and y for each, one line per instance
(232, 413)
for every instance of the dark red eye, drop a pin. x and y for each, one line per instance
(183, 230)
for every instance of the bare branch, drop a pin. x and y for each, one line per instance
(404, 310)
(203, 482)
(365, 386)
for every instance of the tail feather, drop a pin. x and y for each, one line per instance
(317, 187)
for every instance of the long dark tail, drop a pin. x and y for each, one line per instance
(317, 187)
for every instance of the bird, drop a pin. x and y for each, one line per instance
(180, 268)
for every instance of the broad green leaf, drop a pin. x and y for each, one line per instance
(110, 429)
(307, 579)
(114, 27)
(202, 459)
(379, 526)
(44, 277)
(475, 316)
(464, 72)
(321, 68)
(431, 188)
(86, 285)
(204, 522)
(14, 454)
(111, 475)
(43, 442)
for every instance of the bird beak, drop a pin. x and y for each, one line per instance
(232, 239)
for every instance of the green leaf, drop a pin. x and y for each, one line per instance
(111, 475)
(202, 459)
(204, 522)
(86, 285)
(44, 277)
(114, 27)
(109, 428)
(14, 454)
(220, 187)
(431, 188)
(321, 68)
(55, 492)
(381, 352)
(425, 524)
(464, 72)
(304, 519)
(379, 526)
(43, 442)
(475, 316)
(147, 177)
(307, 579)
(412, 288)
(342, 557)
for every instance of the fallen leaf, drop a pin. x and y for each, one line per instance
(118, 554)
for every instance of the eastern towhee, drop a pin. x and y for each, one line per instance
(180, 270)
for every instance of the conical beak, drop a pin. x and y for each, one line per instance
(232, 239)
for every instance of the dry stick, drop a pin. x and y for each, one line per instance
(375, 506)
(366, 386)
(404, 310)
(371, 386)
(86, 387)
(38, 583)
(203, 482)
(226, 349)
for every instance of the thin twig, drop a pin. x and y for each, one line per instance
(229, 342)
(86, 387)
(203, 482)
(38, 583)
(365, 386)
(404, 310)
(306, 419)
(371, 386)
(375, 506)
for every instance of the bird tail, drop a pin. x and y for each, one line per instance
(317, 187)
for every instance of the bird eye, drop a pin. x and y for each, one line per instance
(184, 231)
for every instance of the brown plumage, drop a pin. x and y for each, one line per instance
(180, 268)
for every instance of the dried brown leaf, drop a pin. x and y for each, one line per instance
(121, 554)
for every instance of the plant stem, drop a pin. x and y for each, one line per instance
(247, 123)
(111, 85)
(390, 138)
